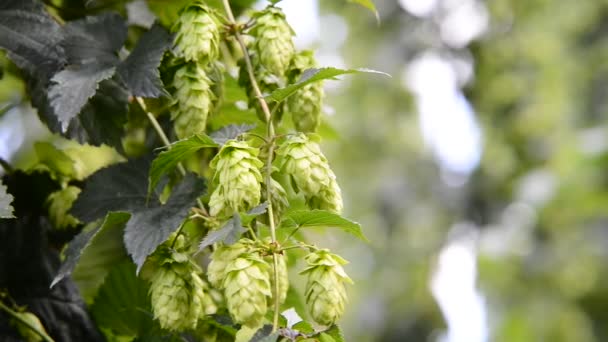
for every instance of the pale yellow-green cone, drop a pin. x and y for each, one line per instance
(237, 179)
(26, 332)
(202, 297)
(59, 203)
(193, 100)
(247, 289)
(303, 160)
(197, 35)
(221, 257)
(325, 291)
(273, 40)
(306, 104)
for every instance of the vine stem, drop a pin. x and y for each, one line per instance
(16, 316)
(165, 140)
(270, 136)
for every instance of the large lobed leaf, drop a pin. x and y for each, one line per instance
(231, 131)
(140, 70)
(321, 218)
(176, 152)
(315, 75)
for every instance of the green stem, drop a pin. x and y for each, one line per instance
(16, 316)
(270, 136)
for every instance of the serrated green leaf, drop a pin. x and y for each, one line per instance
(315, 75)
(247, 217)
(321, 218)
(122, 304)
(149, 227)
(178, 151)
(230, 132)
(229, 233)
(101, 255)
(140, 70)
(369, 5)
(57, 161)
(6, 209)
(102, 234)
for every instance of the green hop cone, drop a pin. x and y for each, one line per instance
(273, 44)
(247, 289)
(201, 297)
(176, 296)
(310, 171)
(305, 105)
(197, 35)
(237, 178)
(325, 291)
(222, 256)
(59, 203)
(193, 100)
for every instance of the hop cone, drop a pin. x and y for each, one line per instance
(221, 257)
(247, 289)
(197, 34)
(177, 296)
(310, 171)
(273, 44)
(193, 100)
(238, 179)
(325, 291)
(59, 203)
(201, 297)
(305, 104)
(283, 276)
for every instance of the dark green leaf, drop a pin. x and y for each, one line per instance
(122, 304)
(140, 70)
(178, 151)
(265, 334)
(103, 118)
(101, 255)
(230, 132)
(120, 187)
(315, 75)
(74, 86)
(78, 246)
(6, 210)
(229, 233)
(321, 218)
(247, 217)
(149, 227)
(369, 5)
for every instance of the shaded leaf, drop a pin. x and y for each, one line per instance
(178, 151)
(140, 70)
(321, 218)
(265, 334)
(122, 304)
(247, 217)
(85, 239)
(315, 75)
(120, 187)
(229, 233)
(149, 227)
(230, 132)
(6, 210)
(369, 5)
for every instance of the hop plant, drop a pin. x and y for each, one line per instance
(247, 289)
(238, 179)
(25, 331)
(193, 100)
(310, 171)
(283, 277)
(273, 44)
(59, 203)
(325, 291)
(305, 104)
(222, 256)
(178, 296)
(197, 35)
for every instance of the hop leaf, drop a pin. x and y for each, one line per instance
(273, 44)
(25, 331)
(325, 291)
(310, 171)
(305, 105)
(59, 203)
(237, 177)
(193, 100)
(197, 34)
(247, 289)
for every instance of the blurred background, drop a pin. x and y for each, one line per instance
(477, 171)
